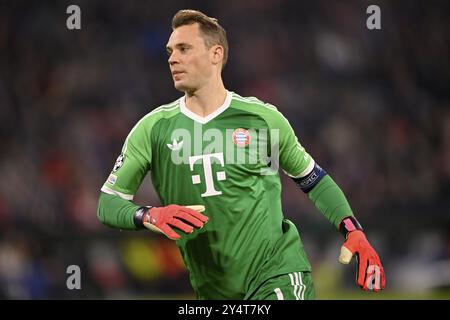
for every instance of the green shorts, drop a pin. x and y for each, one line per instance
(291, 286)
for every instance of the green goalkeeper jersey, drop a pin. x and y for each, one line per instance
(228, 162)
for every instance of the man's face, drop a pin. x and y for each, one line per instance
(189, 58)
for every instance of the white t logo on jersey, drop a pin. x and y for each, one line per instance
(207, 170)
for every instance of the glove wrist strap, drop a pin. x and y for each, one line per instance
(138, 217)
(349, 224)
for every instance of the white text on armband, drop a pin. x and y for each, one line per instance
(308, 182)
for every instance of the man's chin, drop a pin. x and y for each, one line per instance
(181, 87)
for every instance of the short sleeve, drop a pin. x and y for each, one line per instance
(293, 158)
(132, 164)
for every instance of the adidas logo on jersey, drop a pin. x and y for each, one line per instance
(175, 145)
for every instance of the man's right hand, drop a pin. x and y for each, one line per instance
(185, 218)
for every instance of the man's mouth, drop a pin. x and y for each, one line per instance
(176, 75)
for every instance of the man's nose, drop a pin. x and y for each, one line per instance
(172, 59)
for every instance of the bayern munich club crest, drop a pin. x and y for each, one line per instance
(241, 137)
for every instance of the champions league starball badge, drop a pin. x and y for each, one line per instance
(119, 162)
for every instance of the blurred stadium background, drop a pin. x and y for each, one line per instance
(371, 106)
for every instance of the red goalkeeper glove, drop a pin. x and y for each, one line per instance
(370, 274)
(163, 219)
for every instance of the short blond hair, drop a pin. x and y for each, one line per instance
(212, 32)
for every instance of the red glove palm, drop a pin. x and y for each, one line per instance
(162, 219)
(370, 271)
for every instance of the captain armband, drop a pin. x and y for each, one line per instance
(308, 182)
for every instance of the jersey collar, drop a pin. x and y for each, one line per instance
(188, 113)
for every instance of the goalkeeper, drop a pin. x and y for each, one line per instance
(226, 216)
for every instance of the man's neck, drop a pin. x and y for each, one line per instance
(206, 100)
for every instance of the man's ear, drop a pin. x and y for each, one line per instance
(216, 54)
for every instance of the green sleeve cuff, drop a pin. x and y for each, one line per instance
(330, 200)
(116, 212)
